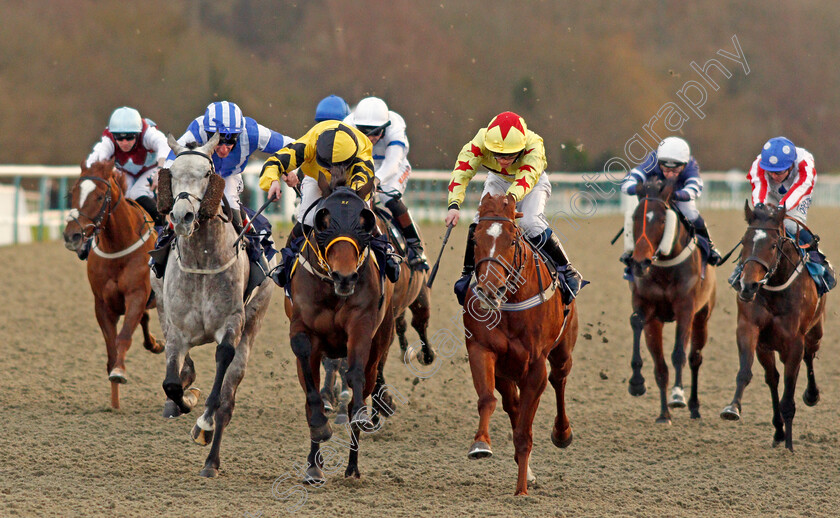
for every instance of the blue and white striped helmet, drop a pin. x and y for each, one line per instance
(223, 117)
(778, 154)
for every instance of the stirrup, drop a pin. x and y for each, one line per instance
(715, 259)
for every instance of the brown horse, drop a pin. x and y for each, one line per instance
(117, 269)
(780, 311)
(340, 306)
(514, 320)
(670, 283)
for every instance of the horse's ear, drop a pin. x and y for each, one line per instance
(174, 145)
(323, 184)
(212, 197)
(748, 213)
(367, 220)
(366, 189)
(211, 144)
(164, 191)
(322, 220)
(518, 215)
(485, 197)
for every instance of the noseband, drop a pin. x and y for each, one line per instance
(104, 211)
(779, 253)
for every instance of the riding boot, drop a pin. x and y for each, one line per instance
(288, 254)
(573, 282)
(383, 247)
(417, 258)
(159, 256)
(818, 257)
(150, 205)
(735, 278)
(715, 258)
(462, 284)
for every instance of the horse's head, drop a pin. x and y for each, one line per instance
(761, 246)
(192, 179)
(92, 197)
(655, 225)
(497, 240)
(343, 225)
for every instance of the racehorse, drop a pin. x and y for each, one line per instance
(410, 292)
(671, 283)
(340, 306)
(514, 320)
(780, 311)
(122, 234)
(201, 295)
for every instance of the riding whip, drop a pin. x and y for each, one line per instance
(245, 227)
(621, 231)
(437, 263)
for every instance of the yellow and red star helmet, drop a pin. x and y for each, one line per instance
(506, 134)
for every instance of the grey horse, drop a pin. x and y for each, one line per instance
(200, 297)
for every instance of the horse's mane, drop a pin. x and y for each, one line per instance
(105, 169)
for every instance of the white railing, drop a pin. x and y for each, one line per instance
(34, 202)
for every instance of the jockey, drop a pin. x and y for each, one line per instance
(386, 131)
(784, 174)
(240, 137)
(326, 145)
(672, 161)
(515, 158)
(138, 149)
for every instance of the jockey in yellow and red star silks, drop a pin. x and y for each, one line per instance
(515, 159)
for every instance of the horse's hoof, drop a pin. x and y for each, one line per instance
(532, 480)
(562, 443)
(155, 346)
(314, 476)
(191, 396)
(695, 413)
(677, 398)
(321, 433)
(663, 420)
(637, 390)
(341, 418)
(480, 450)
(200, 436)
(170, 409)
(810, 400)
(209, 472)
(352, 471)
(362, 419)
(344, 397)
(730, 413)
(117, 375)
(328, 408)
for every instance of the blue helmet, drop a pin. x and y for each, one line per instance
(331, 108)
(778, 154)
(223, 117)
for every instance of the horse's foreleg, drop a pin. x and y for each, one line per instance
(173, 384)
(812, 344)
(402, 327)
(699, 335)
(381, 400)
(787, 405)
(531, 387)
(747, 338)
(767, 360)
(328, 394)
(149, 341)
(420, 314)
(510, 399)
(653, 338)
(108, 325)
(212, 424)
(135, 308)
(319, 426)
(353, 457)
(685, 315)
(314, 473)
(483, 368)
(637, 381)
(561, 365)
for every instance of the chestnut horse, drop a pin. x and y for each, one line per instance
(117, 269)
(340, 306)
(780, 311)
(670, 283)
(514, 320)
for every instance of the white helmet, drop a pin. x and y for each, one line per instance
(673, 150)
(125, 120)
(371, 112)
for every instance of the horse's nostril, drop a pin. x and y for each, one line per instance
(189, 217)
(354, 277)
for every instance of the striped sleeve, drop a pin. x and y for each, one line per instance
(758, 180)
(804, 184)
(693, 184)
(286, 159)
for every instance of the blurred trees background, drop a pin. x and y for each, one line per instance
(585, 75)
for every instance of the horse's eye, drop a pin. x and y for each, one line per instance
(207, 175)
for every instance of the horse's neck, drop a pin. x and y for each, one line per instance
(122, 227)
(785, 268)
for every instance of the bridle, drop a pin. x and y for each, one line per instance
(513, 270)
(105, 209)
(184, 195)
(644, 235)
(778, 245)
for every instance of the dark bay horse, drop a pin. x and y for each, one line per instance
(341, 306)
(201, 298)
(514, 320)
(779, 311)
(117, 269)
(671, 283)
